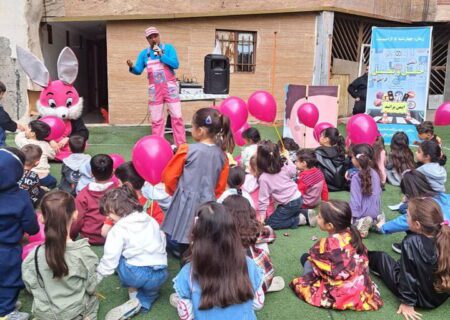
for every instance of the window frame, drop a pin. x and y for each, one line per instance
(236, 43)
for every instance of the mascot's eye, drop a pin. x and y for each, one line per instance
(69, 102)
(52, 103)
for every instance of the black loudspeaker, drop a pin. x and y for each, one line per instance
(217, 74)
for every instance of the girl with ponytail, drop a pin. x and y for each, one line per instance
(196, 174)
(332, 160)
(421, 278)
(365, 190)
(61, 274)
(236, 179)
(336, 269)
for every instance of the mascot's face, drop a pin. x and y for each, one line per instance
(61, 100)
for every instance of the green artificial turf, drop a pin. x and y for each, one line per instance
(285, 252)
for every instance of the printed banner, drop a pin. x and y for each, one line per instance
(398, 78)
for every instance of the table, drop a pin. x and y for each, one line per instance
(191, 98)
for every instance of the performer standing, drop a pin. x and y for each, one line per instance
(161, 60)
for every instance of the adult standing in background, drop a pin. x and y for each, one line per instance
(161, 60)
(358, 90)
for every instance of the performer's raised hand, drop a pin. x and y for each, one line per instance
(130, 63)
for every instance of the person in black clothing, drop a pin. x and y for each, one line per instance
(332, 160)
(6, 124)
(358, 90)
(421, 278)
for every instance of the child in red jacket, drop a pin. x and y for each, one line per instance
(90, 221)
(127, 174)
(311, 183)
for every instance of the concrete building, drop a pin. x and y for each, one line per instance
(270, 44)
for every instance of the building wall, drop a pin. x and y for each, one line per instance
(19, 23)
(194, 38)
(404, 10)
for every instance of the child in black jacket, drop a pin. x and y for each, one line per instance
(332, 160)
(421, 277)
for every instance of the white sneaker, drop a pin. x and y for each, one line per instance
(363, 226)
(312, 218)
(124, 311)
(173, 299)
(381, 219)
(277, 284)
(16, 315)
(301, 220)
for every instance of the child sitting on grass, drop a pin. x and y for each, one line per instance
(220, 282)
(426, 133)
(421, 278)
(336, 269)
(429, 154)
(90, 221)
(127, 175)
(365, 190)
(276, 181)
(235, 180)
(255, 239)
(61, 274)
(251, 186)
(289, 148)
(400, 159)
(70, 170)
(311, 183)
(136, 249)
(30, 179)
(331, 159)
(35, 133)
(251, 136)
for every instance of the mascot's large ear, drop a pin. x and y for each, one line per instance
(33, 67)
(67, 66)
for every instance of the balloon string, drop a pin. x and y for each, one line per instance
(279, 136)
(151, 202)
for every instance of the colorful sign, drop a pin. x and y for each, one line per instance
(399, 76)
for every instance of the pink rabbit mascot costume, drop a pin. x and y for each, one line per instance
(58, 98)
(161, 60)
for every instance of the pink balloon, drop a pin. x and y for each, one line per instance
(117, 159)
(308, 114)
(318, 128)
(238, 135)
(28, 248)
(262, 106)
(236, 109)
(57, 127)
(150, 155)
(361, 128)
(442, 115)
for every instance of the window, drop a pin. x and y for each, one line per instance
(239, 47)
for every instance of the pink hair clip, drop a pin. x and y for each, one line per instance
(445, 223)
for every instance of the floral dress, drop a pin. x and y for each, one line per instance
(340, 278)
